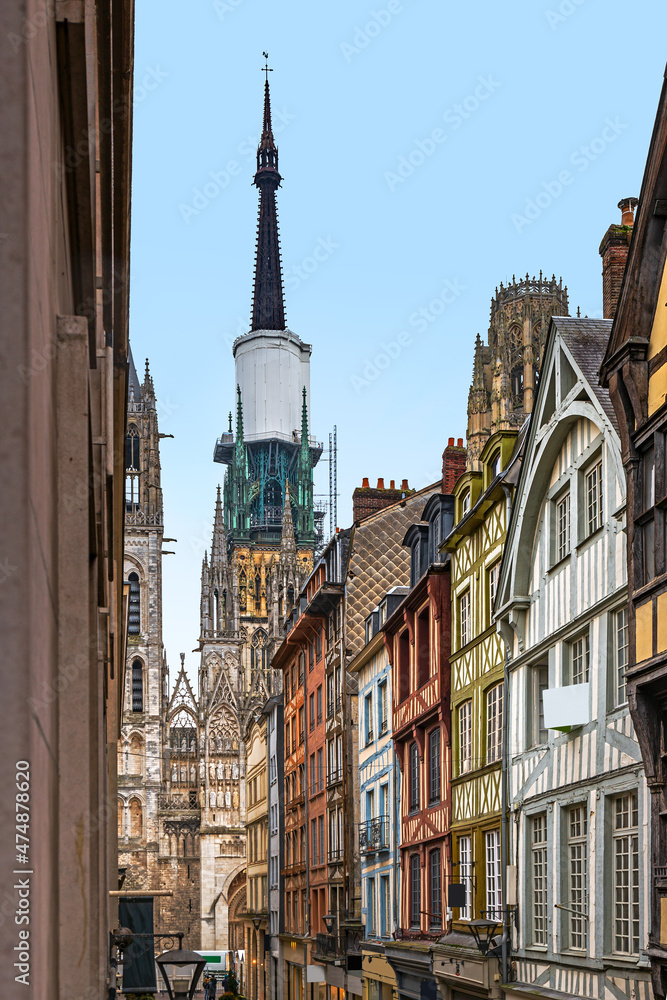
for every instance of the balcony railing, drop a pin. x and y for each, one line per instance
(383, 727)
(328, 945)
(660, 873)
(369, 737)
(301, 739)
(335, 856)
(334, 777)
(317, 786)
(374, 835)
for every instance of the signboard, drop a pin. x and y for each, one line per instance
(136, 913)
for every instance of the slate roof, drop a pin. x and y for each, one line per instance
(378, 560)
(587, 339)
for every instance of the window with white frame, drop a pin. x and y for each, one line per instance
(538, 848)
(465, 737)
(562, 527)
(539, 683)
(593, 489)
(626, 874)
(580, 655)
(620, 631)
(465, 503)
(383, 714)
(493, 879)
(465, 875)
(494, 723)
(577, 876)
(494, 574)
(464, 618)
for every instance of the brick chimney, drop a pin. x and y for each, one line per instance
(368, 500)
(453, 464)
(614, 253)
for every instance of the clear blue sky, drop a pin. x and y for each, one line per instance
(412, 134)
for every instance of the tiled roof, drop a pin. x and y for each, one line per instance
(379, 561)
(587, 339)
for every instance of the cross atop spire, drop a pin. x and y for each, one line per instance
(268, 310)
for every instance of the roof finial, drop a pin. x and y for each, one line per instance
(265, 69)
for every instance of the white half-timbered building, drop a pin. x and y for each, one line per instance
(575, 887)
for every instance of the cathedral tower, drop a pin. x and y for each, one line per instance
(264, 536)
(140, 748)
(506, 369)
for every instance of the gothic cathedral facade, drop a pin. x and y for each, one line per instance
(182, 789)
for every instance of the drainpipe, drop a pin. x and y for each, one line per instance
(397, 833)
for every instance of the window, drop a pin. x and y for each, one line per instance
(493, 880)
(385, 905)
(330, 696)
(414, 777)
(311, 654)
(538, 847)
(319, 704)
(562, 527)
(435, 880)
(540, 682)
(465, 737)
(302, 724)
(465, 875)
(495, 465)
(577, 847)
(370, 907)
(320, 769)
(313, 775)
(620, 620)
(464, 618)
(368, 718)
(403, 665)
(415, 891)
(465, 503)
(594, 498)
(313, 843)
(626, 874)
(132, 469)
(137, 686)
(494, 723)
(423, 647)
(134, 609)
(320, 835)
(311, 710)
(579, 659)
(318, 647)
(383, 717)
(494, 574)
(434, 766)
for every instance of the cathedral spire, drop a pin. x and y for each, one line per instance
(287, 540)
(218, 546)
(268, 310)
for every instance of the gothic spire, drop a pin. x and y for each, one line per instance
(287, 541)
(218, 546)
(268, 310)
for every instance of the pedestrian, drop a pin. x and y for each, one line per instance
(212, 987)
(207, 983)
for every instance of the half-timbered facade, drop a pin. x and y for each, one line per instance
(417, 636)
(477, 667)
(257, 864)
(379, 788)
(578, 804)
(635, 371)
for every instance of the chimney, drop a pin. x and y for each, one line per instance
(453, 464)
(614, 252)
(366, 500)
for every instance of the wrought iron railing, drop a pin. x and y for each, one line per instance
(328, 945)
(374, 835)
(334, 777)
(335, 855)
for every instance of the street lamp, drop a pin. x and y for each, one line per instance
(190, 965)
(483, 931)
(329, 920)
(257, 922)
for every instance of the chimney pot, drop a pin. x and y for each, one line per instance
(627, 207)
(459, 443)
(450, 443)
(404, 485)
(392, 484)
(380, 485)
(364, 483)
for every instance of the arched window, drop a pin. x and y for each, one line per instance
(132, 469)
(136, 824)
(517, 385)
(259, 651)
(465, 503)
(135, 763)
(134, 617)
(121, 811)
(137, 686)
(495, 465)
